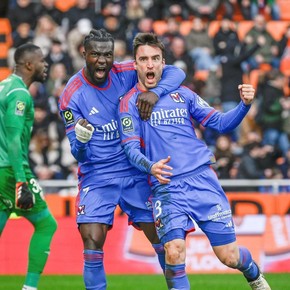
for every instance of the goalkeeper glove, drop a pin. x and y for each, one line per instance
(24, 197)
(84, 133)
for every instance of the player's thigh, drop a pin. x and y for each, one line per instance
(135, 200)
(97, 200)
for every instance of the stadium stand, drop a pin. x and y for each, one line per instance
(5, 44)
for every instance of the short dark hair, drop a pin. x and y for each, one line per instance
(23, 49)
(98, 35)
(147, 39)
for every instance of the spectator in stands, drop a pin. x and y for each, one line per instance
(270, 93)
(134, 11)
(115, 26)
(57, 75)
(75, 42)
(44, 156)
(120, 51)
(162, 9)
(225, 159)
(47, 7)
(226, 39)
(177, 51)
(24, 11)
(22, 34)
(57, 54)
(266, 54)
(265, 7)
(46, 30)
(173, 30)
(144, 25)
(203, 8)
(249, 127)
(233, 74)
(200, 46)
(250, 165)
(81, 10)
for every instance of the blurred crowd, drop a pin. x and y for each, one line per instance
(216, 60)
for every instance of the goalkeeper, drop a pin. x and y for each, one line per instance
(19, 190)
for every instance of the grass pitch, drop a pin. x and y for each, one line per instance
(148, 282)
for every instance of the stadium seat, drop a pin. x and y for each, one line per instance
(243, 28)
(64, 6)
(160, 27)
(185, 27)
(213, 28)
(277, 28)
(285, 66)
(284, 9)
(5, 31)
(4, 73)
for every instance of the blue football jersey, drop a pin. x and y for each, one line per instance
(103, 155)
(170, 130)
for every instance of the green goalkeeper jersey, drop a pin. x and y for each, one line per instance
(16, 121)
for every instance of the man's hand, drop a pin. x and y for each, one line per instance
(84, 130)
(145, 103)
(247, 93)
(157, 170)
(24, 198)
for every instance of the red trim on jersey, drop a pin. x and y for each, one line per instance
(132, 138)
(204, 120)
(69, 91)
(124, 102)
(120, 67)
(92, 85)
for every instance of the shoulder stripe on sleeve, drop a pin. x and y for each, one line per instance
(18, 89)
(69, 91)
(125, 100)
(120, 67)
(206, 118)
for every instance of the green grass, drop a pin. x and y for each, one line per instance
(148, 282)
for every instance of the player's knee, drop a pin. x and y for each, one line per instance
(46, 226)
(175, 252)
(230, 258)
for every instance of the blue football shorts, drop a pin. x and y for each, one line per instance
(97, 200)
(193, 198)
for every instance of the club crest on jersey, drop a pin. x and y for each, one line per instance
(127, 124)
(176, 98)
(20, 107)
(68, 116)
(202, 102)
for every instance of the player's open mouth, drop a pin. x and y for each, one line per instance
(150, 75)
(100, 73)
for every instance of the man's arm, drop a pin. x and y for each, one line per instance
(225, 122)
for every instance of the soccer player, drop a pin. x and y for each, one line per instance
(20, 192)
(185, 188)
(89, 107)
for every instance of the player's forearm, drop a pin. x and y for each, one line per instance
(79, 150)
(172, 78)
(136, 158)
(225, 122)
(15, 153)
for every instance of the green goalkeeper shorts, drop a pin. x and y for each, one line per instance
(7, 192)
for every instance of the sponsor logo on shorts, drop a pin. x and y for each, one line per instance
(20, 108)
(81, 210)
